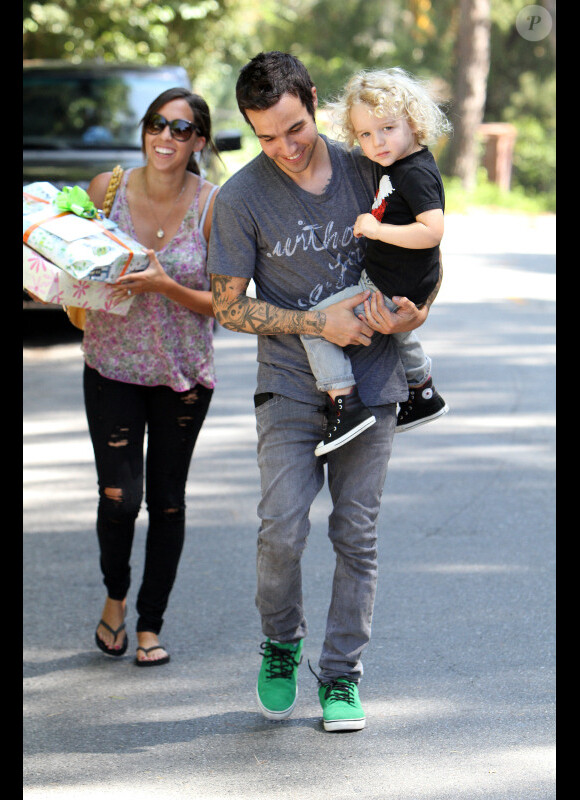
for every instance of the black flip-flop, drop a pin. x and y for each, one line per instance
(108, 650)
(156, 663)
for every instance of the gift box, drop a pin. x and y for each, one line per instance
(95, 249)
(53, 285)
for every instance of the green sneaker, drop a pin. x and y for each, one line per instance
(341, 708)
(277, 690)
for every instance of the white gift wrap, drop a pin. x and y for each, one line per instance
(96, 249)
(53, 285)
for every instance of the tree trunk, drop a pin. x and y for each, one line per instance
(470, 87)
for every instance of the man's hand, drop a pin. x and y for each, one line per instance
(342, 326)
(383, 320)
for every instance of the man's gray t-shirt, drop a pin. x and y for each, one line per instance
(299, 248)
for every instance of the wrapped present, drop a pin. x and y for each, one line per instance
(53, 285)
(65, 228)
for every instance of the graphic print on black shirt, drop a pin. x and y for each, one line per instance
(380, 205)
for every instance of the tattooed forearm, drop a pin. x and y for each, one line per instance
(255, 316)
(238, 312)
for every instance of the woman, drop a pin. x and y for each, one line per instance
(152, 370)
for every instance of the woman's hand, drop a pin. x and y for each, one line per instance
(152, 279)
(407, 317)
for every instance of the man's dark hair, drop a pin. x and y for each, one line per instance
(268, 76)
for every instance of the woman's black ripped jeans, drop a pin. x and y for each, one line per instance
(119, 414)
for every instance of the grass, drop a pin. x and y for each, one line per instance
(487, 195)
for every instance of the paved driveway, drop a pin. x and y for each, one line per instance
(459, 677)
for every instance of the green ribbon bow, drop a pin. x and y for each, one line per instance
(76, 200)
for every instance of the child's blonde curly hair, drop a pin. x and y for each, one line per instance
(390, 93)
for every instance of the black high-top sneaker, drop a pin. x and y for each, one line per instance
(424, 405)
(346, 417)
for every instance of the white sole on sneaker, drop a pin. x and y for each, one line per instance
(423, 421)
(322, 448)
(344, 724)
(269, 714)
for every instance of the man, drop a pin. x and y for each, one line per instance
(285, 220)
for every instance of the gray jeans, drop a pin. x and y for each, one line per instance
(291, 477)
(331, 366)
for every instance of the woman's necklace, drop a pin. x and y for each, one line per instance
(161, 227)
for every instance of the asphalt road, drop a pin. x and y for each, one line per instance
(459, 677)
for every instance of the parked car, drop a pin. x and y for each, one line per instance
(82, 119)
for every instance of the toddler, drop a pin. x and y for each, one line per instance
(392, 116)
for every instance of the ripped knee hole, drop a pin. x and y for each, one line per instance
(114, 494)
(119, 438)
(191, 397)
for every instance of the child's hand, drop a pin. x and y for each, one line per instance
(366, 225)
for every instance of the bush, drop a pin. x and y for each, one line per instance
(487, 194)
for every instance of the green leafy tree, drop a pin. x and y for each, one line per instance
(120, 30)
(212, 39)
(470, 87)
(522, 90)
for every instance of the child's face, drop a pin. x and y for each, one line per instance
(383, 139)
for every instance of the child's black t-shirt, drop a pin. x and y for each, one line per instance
(407, 188)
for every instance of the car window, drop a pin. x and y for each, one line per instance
(67, 110)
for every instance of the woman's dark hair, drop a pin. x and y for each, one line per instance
(201, 118)
(268, 76)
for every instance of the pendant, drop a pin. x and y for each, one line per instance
(160, 233)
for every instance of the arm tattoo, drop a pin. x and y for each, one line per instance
(238, 312)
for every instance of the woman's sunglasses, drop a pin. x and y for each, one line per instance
(180, 129)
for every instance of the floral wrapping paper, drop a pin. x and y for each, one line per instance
(96, 249)
(53, 285)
